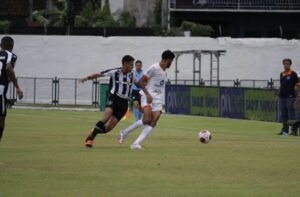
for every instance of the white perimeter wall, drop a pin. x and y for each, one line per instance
(77, 56)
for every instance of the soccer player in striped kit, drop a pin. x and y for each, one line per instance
(7, 74)
(121, 80)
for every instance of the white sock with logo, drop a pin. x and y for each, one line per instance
(132, 127)
(146, 131)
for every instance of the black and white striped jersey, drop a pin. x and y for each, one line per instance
(13, 60)
(6, 57)
(13, 63)
(120, 83)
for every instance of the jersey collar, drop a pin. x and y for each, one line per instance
(286, 73)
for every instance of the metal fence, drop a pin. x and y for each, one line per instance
(244, 83)
(236, 4)
(68, 91)
(54, 91)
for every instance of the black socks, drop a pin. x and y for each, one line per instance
(99, 129)
(1, 132)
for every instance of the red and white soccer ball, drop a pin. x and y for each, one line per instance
(204, 136)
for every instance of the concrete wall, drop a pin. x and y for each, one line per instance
(77, 56)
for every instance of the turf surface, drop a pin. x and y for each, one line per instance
(42, 154)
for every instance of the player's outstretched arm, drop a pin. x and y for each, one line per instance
(12, 77)
(91, 77)
(142, 84)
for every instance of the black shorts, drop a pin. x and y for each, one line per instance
(2, 105)
(118, 105)
(135, 95)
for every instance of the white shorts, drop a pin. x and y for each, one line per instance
(156, 105)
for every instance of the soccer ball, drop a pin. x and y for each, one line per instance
(204, 136)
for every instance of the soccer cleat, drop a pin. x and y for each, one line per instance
(121, 137)
(282, 133)
(136, 147)
(89, 140)
(89, 143)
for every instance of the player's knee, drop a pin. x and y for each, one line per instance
(100, 128)
(109, 127)
(153, 124)
(147, 121)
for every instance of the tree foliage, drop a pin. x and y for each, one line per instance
(126, 19)
(197, 29)
(4, 26)
(89, 16)
(92, 16)
(157, 12)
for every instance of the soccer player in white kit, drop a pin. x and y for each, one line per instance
(152, 86)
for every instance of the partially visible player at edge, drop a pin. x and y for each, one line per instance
(152, 84)
(121, 80)
(135, 95)
(7, 63)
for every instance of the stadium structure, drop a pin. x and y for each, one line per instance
(241, 18)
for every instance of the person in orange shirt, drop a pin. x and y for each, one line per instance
(287, 96)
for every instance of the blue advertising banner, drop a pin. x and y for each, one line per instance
(232, 103)
(178, 99)
(229, 102)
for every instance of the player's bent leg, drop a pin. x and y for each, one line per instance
(107, 114)
(148, 128)
(155, 118)
(155, 115)
(2, 114)
(125, 132)
(145, 132)
(111, 123)
(147, 115)
(147, 118)
(99, 127)
(2, 124)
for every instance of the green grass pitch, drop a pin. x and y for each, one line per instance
(42, 153)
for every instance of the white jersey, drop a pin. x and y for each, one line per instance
(157, 78)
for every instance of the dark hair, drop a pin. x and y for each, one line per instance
(167, 55)
(7, 43)
(138, 62)
(287, 60)
(127, 59)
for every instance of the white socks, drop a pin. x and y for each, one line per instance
(132, 127)
(146, 131)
